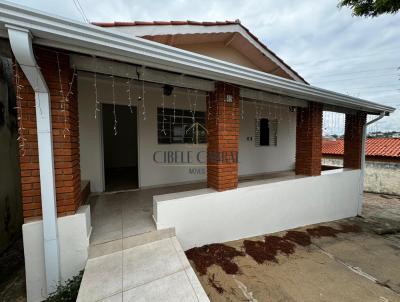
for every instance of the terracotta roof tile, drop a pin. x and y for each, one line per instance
(144, 23)
(378, 147)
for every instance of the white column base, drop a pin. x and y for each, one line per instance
(74, 233)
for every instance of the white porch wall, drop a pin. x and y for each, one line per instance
(252, 159)
(255, 160)
(257, 208)
(90, 138)
(150, 173)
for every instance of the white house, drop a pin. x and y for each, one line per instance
(142, 105)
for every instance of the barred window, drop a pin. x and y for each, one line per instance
(181, 127)
(266, 132)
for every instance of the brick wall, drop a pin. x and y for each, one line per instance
(223, 138)
(309, 140)
(353, 140)
(66, 149)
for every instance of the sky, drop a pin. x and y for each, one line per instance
(325, 44)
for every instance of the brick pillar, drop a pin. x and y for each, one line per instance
(309, 140)
(66, 149)
(223, 137)
(353, 140)
(29, 158)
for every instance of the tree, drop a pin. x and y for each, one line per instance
(371, 8)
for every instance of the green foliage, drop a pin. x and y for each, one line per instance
(371, 8)
(67, 292)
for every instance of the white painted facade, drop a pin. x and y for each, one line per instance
(252, 159)
(73, 235)
(255, 208)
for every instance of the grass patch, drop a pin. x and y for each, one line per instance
(67, 292)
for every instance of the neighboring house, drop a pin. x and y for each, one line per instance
(190, 102)
(382, 155)
(10, 188)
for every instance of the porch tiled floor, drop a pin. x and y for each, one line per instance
(124, 214)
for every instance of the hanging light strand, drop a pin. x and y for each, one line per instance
(61, 91)
(114, 105)
(21, 137)
(224, 101)
(142, 97)
(208, 102)
(65, 97)
(163, 112)
(242, 106)
(257, 115)
(96, 99)
(233, 102)
(195, 106)
(129, 91)
(174, 107)
(189, 99)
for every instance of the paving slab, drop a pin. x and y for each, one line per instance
(171, 288)
(102, 278)
(154, 271)
(149, 262)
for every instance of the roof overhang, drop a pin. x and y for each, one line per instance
(239, 37)
(88, 39)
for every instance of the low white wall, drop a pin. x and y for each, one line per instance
(205, 216)
(74, 232)
(380, 176)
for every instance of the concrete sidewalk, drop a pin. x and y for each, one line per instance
(126, 270)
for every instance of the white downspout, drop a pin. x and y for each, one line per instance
(21, 45)
(363, 142)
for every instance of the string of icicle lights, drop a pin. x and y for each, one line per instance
(267, 110)
(21, 135)
(65, 96)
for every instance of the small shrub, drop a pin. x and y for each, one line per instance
(67, 292)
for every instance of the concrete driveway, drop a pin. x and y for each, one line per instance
(354, 259)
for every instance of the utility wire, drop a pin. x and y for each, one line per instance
(364, 92)
(334, 58)
(80, 10)
(386, 95)
(383, 87)
(328, 74)
(393, 75)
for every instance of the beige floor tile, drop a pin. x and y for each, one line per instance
(148, 262)
(102, 278)
(171, 288)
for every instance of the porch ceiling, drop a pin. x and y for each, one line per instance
(80, 37)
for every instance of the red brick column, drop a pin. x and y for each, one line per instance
(223, 137)
(353, 140)
(309, 140)
(66, 149)
(29, 158)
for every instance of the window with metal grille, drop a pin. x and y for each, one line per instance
(181, 126)
(266, 132)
